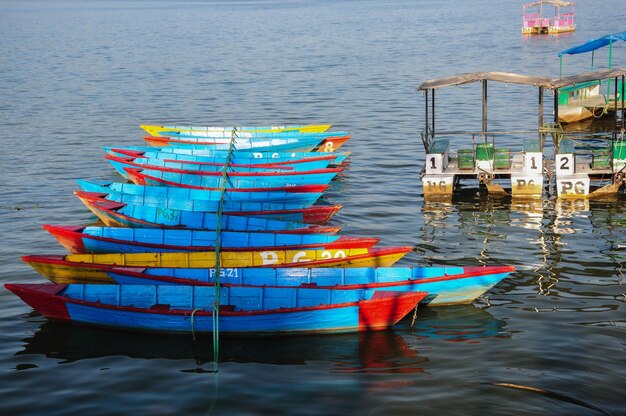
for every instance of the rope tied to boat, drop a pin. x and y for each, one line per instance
(218, 241)
(193, 331)
(414, 315)
(604, 110)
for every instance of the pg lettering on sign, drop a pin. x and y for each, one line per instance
(577, 187)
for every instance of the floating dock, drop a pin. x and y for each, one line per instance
(535, 22)
(525, 170)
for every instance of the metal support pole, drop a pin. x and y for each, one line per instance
(433, 114)
(615, 101)
(556, 106)
(623, 109)
(608, 87)
(484, 107)
(540, 116)
(592, 57)
(426, 132)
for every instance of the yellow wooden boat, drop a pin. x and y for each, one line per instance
(93, 268)
(227, 130)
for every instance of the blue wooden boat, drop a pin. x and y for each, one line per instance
(329, 144)
(202, 181)
(445, 285)
(212, 175)
(237, 180)
(187, 309)
(239, 156)
(247, 138)
(311, 214)
(186, 162)
(171, 208)
(117, 214)
(324, 160)
(226, 135)
(291, 197)
(227, 131)
(93, 268)
(91, 239)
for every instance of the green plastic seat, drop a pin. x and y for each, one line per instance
(466, 158)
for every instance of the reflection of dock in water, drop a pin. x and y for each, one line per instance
(543, 235)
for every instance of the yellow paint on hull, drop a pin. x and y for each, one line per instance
(68, 274)
(85, 269)
(550, 30)
(533, 190)
(442, 190)
(312, 128)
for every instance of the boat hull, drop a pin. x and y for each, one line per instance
(213, 180)
(177, 161)
(81, 239)
(227, 131)
(295, 197)
(445, 285)
(236, 156)
(315, 214)
(93, 268)
(571, 114)
(324, 144)
(190, 310)
(116, 214)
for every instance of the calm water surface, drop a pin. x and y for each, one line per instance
(76, 76)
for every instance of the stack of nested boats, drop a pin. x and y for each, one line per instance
(227, 223)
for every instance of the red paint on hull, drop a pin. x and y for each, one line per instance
(316, 214)
(387, 306)
(42, 298)
(331, 144)
(68, 236)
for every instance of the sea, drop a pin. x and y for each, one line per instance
(76, 76)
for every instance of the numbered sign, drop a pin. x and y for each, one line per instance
(565, 164)
(436, 162)
(533, 163)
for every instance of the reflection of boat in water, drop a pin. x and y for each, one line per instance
(377, 351)
(388, 351)
(458, 323)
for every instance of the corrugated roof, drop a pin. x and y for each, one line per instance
(588, 76)
(507, 77)
(559, 3)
